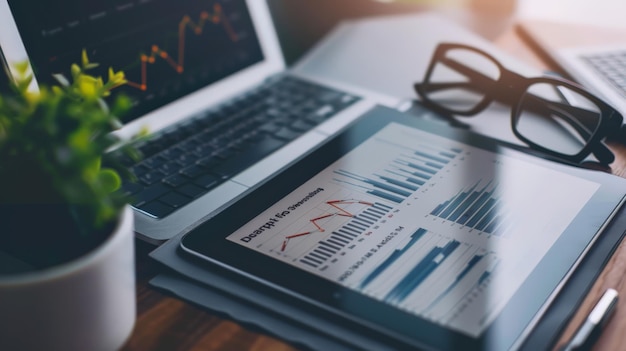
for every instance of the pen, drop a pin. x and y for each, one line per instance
(590, 329)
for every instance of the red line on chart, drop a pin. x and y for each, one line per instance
(217, 17)
(319, 229)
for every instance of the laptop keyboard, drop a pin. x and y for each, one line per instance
(186, 161)
(612, 67)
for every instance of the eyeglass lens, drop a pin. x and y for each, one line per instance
(549, 114)
(557, 118)
(457, 81)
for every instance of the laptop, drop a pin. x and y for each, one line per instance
(600, 67)
(207, 79)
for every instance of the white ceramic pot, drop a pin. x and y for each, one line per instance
(88, 304)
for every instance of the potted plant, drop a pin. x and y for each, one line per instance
(66, 236)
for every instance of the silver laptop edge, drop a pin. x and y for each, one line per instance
(571, 59)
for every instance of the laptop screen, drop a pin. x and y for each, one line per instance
(167, 48)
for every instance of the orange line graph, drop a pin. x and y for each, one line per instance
(319, 228)
(217, 17)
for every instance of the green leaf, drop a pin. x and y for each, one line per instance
(22, 67)
(53, 140)
(75, 70)
(91, 66)
(61, 80)
(109, 179)
(122, 104)
(24, 83)
(84, 58)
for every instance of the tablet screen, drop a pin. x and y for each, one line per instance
(439, 230)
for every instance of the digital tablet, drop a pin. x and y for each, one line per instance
(432, 236)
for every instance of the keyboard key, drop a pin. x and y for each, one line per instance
(172, 153)
(209, 162)
(150, 193)
(139, 170)
(203, 150)
(248, 157)
(169, 168)
(154, 162)
(191, 190)
(207, 181)
(120, 157)
(270, 127)
(287, 134)
(157, 209)
(174, 199)
(223, 153)
(315, 118)
(151, 177)
(175, 180)
(129, 188)
(185, 161)
(329, 96)
(188, 144)
(348, 99)
(193, 171)
(301, 125)
(150, 148)
(611, 67)
(325, 111)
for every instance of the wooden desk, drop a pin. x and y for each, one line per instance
(166, 323)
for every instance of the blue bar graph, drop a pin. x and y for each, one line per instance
(473, 207)
(388, 189)
(343, 236)
(431, 157)
(392, 258)
(404, 173)
(468, 267)
(420, 272)
(432, 274)
(463, 289)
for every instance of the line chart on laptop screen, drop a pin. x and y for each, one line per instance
(166, 48)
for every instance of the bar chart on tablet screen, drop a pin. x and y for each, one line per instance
(422, 223)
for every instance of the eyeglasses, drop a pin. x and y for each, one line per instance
(551, 115)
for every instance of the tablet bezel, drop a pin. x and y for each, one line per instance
(509, 329)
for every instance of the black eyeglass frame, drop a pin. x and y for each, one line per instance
(510, 88)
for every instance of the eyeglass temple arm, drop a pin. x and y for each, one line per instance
(434, 87)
